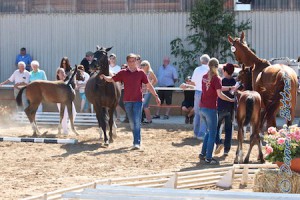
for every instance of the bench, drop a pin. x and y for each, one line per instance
(81, 119)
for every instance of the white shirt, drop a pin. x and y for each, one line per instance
(114, 70)
(18, 77)
(198, 74)
(81, 84)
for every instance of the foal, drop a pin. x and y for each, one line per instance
(48, 91)
(248, 112)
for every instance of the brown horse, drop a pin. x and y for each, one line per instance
(48, 91)
(103, 95)
(248, 112)
(268, 80)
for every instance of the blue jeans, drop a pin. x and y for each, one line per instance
(134, 113)
(210, 118)
(146, 101)
(199, 128)
(227, 117)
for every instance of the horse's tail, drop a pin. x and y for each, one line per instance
(19, 96)
(249, 109)
(72, 77)
(274, 102)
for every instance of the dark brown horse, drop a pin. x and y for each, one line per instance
(103, 95)
(268, 80)
(48, 91)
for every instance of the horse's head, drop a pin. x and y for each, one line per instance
(102, 60)
(242, 52)
(245, 77)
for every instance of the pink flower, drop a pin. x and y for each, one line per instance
(280, 140)
(269, 149)
(272, 130)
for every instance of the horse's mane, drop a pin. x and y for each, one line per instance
(72, 77)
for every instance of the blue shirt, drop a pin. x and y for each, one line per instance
(166, 76)
(26, 59)
(39, 75)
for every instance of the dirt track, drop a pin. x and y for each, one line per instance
(33, 168)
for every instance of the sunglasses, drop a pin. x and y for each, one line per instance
(144, 65)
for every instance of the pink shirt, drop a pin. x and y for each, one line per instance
(209, 91)
(132, 84)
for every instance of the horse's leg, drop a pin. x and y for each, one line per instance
(239, 150)
(101, 116)
(72, 112)
(110, 123)
(29, 112)
(252, 142)
(61, 107)
(34, 108)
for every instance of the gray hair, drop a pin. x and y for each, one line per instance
(22, 63)
(35, 62)
(204, 59)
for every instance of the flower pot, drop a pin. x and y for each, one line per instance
(295, 164)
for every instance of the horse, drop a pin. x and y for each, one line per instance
(48, 91)
(103, 95)
(245, 77)
(248, 113)
(268, 80)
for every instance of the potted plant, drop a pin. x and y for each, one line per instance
(276, 144)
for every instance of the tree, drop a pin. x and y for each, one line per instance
(209, 24)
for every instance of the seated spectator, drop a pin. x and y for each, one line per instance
(187, 105)
(21, 78)
(80, 85)
(26, 58)
(37, 74)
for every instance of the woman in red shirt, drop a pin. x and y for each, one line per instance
(211, 90)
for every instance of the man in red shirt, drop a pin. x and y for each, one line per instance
(133, 78)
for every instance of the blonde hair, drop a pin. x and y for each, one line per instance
(213, 64)
(57, 71)
(146, 62)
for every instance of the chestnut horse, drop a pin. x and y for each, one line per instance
(268, 80)
(248, 113)
(48, 91)
(103, 95)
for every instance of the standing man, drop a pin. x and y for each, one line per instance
(199, 128)
(89, 59)
(167, 76)
(26, 58)
(21, 78)
(133, 78)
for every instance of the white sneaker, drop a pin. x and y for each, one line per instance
(136, 147)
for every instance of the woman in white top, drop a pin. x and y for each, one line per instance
(80, 85)
(61, 76)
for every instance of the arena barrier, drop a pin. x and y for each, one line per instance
(236, 174)
(39, 140)
(82, 119)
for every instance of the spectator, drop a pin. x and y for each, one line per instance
(37, 74)
(87, 61)
(21, 78)
(65, 63)
(146, 67)
(80, 85)
(61, 76)
(211, 89)
(225, 111)
(187, 105)
(167, 76)
(114, 69)
(133, 78)
(199, 128)
(26, 58)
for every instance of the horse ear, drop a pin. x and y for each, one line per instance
(242, 36)
(230, 40)
(98, 47)
(108, 49)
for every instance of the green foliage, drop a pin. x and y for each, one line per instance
(209, 25)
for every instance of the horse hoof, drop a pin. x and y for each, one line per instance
(111, 141)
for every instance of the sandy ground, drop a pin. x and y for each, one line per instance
(29, 169)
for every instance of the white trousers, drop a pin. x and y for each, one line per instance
(65, 119)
